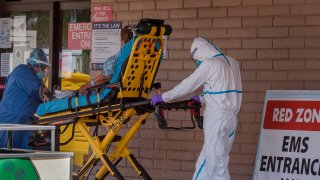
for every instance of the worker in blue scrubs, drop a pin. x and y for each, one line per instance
(21, 97)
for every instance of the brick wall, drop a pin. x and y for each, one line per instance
(277, 43)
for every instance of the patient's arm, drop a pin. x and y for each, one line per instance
(100, 79)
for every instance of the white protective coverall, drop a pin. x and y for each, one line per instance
(222, 95)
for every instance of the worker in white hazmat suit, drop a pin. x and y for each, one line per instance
(222, 94)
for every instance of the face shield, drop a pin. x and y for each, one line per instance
(38, 59)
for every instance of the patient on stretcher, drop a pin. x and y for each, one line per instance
(89, 99)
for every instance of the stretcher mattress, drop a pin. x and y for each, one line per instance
(62, 104)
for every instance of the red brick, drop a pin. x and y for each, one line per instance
(153, 153)
(180, 155)
(169, 4)
(305, 9)
(188, 165)
(145, 143)
(189, 65)
(242, 33)
(152, 133)
(175, 44)
(257, 43)
(288, 1)
(198, 3)
(163, 75)
(226, 3)
(242, 11)
(256, 2)
(171, 64)
(120, 6)
(248, 148)
(289, 21)
(257, 22)
(227, 43)
(313, 64)
(273, 10)
(244, 138)
(304, 31)
(175, 23)
(199, 136)
(242, 159)
(304, 53)
(167, 144)
(167, 164)
(157, 173)
(183, 13)
(192, 146)
(179, 54)
(235, 148)
(272, 75)
(179, 175)
(288, 42)
(167, 85)
(184, 33)
(242, 54)
(129, 16)
(272, 53)
(312, 1)
(241, 177)
(313, 20)
(251, 107)
(273, 32)
(288, 64)
(312, 85)
(248, 75)
(304, 75)
(256, 65)
(162, 14)
(197, 23)
(226, 22)
(287, 85)
(179, 75)
(142, 5)
(247, 117)
(256, 86)
(212, 12)
(213, 33)
(180, 135)
(241, 169)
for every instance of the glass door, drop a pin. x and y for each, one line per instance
(74, 64)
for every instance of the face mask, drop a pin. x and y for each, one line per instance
(40, 74)
(198, 63)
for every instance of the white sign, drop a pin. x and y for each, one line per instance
(106, 40)
(5, 64)
(19, 30)
(289, 146)
(5, 33)
(66, 64)
(18, 56)
(31, 39)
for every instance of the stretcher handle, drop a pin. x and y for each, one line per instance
(191, 105)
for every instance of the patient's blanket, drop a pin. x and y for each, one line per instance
(65, 104)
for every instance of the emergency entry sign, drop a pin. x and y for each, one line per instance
(289, 142)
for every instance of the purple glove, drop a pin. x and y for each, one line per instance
(156, 99)
(196, 98)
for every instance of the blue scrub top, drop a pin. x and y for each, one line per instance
(21, 95)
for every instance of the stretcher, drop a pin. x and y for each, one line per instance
(113, 105)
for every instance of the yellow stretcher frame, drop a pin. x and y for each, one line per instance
(135, 86)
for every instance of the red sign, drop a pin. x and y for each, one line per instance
(101, 13)
(292, 115)
(79, 36)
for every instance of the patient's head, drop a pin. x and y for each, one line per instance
(126, 34)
